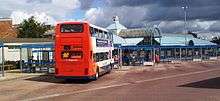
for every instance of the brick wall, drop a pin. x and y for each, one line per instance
(7, 30)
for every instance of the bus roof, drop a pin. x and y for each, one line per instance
(91, 25)
(71, 22)
(97, 27)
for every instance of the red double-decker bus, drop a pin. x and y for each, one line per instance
(82, 50)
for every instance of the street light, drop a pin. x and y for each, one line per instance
(185, 21)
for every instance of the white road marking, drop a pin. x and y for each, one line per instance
(119, 85)
(177, 75)
(76, 92)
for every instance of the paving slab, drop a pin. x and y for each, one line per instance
(16, 74)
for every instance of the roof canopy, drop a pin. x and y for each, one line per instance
(126, 41)
(139, 32)
(181, 40)
(48, 45)
(133, 33)
(25, 40)
(116, 26)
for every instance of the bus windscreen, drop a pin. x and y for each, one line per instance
(71, 28)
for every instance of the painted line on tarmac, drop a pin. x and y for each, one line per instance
(177, 75)
(76, 92)
(119, 85)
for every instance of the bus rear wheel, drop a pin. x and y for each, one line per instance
(96, 76)
(110, 68)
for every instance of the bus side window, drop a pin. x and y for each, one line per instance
(91, 53)
(96, 32)
(91, 31)
(101, 34)
(94, 57)
(98, 57)
(106, 35)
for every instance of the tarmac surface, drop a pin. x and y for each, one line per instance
(187, 81)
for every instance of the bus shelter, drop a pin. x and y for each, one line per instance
(37, 57)
(1, 59)
(139, 54)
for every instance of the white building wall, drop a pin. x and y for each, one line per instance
(11, 54)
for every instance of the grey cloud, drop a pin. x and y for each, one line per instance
(117, 3)
(168, 11)
(86, 4)
(39, 1)
(215, 27)
(129, 16)
(178, 26)
(166, 3)
(172, 9)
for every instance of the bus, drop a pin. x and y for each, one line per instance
(82, 50)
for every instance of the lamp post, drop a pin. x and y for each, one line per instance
(185, 21)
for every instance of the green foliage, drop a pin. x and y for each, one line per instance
(30, 28)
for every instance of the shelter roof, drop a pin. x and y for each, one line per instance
(26, 40)
(180, 40)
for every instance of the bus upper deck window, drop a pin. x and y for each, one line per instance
(92, 32)
(71, 28)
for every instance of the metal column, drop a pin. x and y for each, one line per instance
(180, 54)
(153, 55)
(120, 59)
(3, 61)
(21, 62)
(201, 52)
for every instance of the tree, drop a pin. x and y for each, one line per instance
(30, 28)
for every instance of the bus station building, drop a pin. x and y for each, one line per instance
(140, 46)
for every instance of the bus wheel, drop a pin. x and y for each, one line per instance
(96, 74)
(110, 68)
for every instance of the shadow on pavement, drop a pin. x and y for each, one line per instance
(53, 79)
(213, 83)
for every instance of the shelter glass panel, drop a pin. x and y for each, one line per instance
(177, 53)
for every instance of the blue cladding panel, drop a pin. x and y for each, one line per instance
(37, 45)
(1, 45)
(134, 47)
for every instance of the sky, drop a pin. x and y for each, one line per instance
(168, 15)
